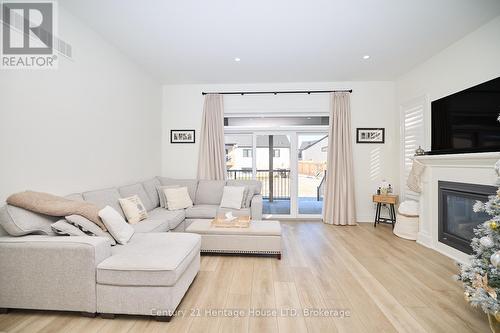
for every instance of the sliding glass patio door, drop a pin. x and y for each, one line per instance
(290, 164)
(311, 172)
(273, 170)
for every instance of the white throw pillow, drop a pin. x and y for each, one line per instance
(116, 225)
(177, 198)
(232, 197)
(161, 194)
(133, 208)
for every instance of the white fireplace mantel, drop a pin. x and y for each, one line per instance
(476, 168)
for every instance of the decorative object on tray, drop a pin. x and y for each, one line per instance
(384, 188)
(481, 276)
(370, 135)
(182, 136)
(419, 151)
(230, 221)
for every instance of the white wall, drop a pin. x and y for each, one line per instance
(372, 105)
(94, 122)
(471, 60)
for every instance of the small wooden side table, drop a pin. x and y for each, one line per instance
(388, 199)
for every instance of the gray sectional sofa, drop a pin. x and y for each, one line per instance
(147, 276)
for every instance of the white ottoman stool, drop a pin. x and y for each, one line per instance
(407, 220)
(261, 237)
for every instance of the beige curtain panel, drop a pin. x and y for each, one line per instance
(339, 206)
(212, 159)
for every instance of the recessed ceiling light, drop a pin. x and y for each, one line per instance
(366, 57)
(237, 59)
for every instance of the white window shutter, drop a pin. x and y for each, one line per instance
(413, 135)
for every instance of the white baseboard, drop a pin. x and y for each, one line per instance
(365, 219)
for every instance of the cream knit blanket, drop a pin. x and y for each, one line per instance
(53, 205)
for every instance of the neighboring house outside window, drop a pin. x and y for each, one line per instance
(247, 152)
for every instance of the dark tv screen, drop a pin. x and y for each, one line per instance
(467, 121)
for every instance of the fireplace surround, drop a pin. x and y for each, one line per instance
(477, 168)
(456, 219)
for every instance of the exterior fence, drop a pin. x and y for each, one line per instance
(280, 181)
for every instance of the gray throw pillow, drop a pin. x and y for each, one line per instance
(19, 221)
(62, 227)
(249, 195)
(245, 196)
(89, 227)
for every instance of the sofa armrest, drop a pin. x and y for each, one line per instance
(50, 272)
(256, 207)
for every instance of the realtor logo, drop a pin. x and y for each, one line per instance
(28, 35)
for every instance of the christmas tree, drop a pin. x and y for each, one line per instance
(481, 276)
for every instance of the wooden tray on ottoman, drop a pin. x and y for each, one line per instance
(239, 222)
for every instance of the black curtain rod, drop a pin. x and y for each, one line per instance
(277, 92)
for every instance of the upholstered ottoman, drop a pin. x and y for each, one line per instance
(261, 237)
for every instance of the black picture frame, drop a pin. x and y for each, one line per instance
(359, 135)
(190, 136)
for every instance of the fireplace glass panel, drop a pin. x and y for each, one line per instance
(457, 220)
(461, 218)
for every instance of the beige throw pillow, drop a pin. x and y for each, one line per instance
(134, 209)
(177, 198)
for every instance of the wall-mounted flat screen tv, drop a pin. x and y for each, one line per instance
(467, 121)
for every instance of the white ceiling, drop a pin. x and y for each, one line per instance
(188, 41)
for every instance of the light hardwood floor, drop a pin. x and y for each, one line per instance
(385, 284)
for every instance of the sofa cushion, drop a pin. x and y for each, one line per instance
(191, 184)
(172, 218)
(151, 225)
(137, 189)
(236, 212)
(209, 192)
(256, 185)
(2, 231)
(202, 212)
(62, 227)
(150, 259)
(105, 197)
(150, 188)
(18, 221)
(89, 227)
